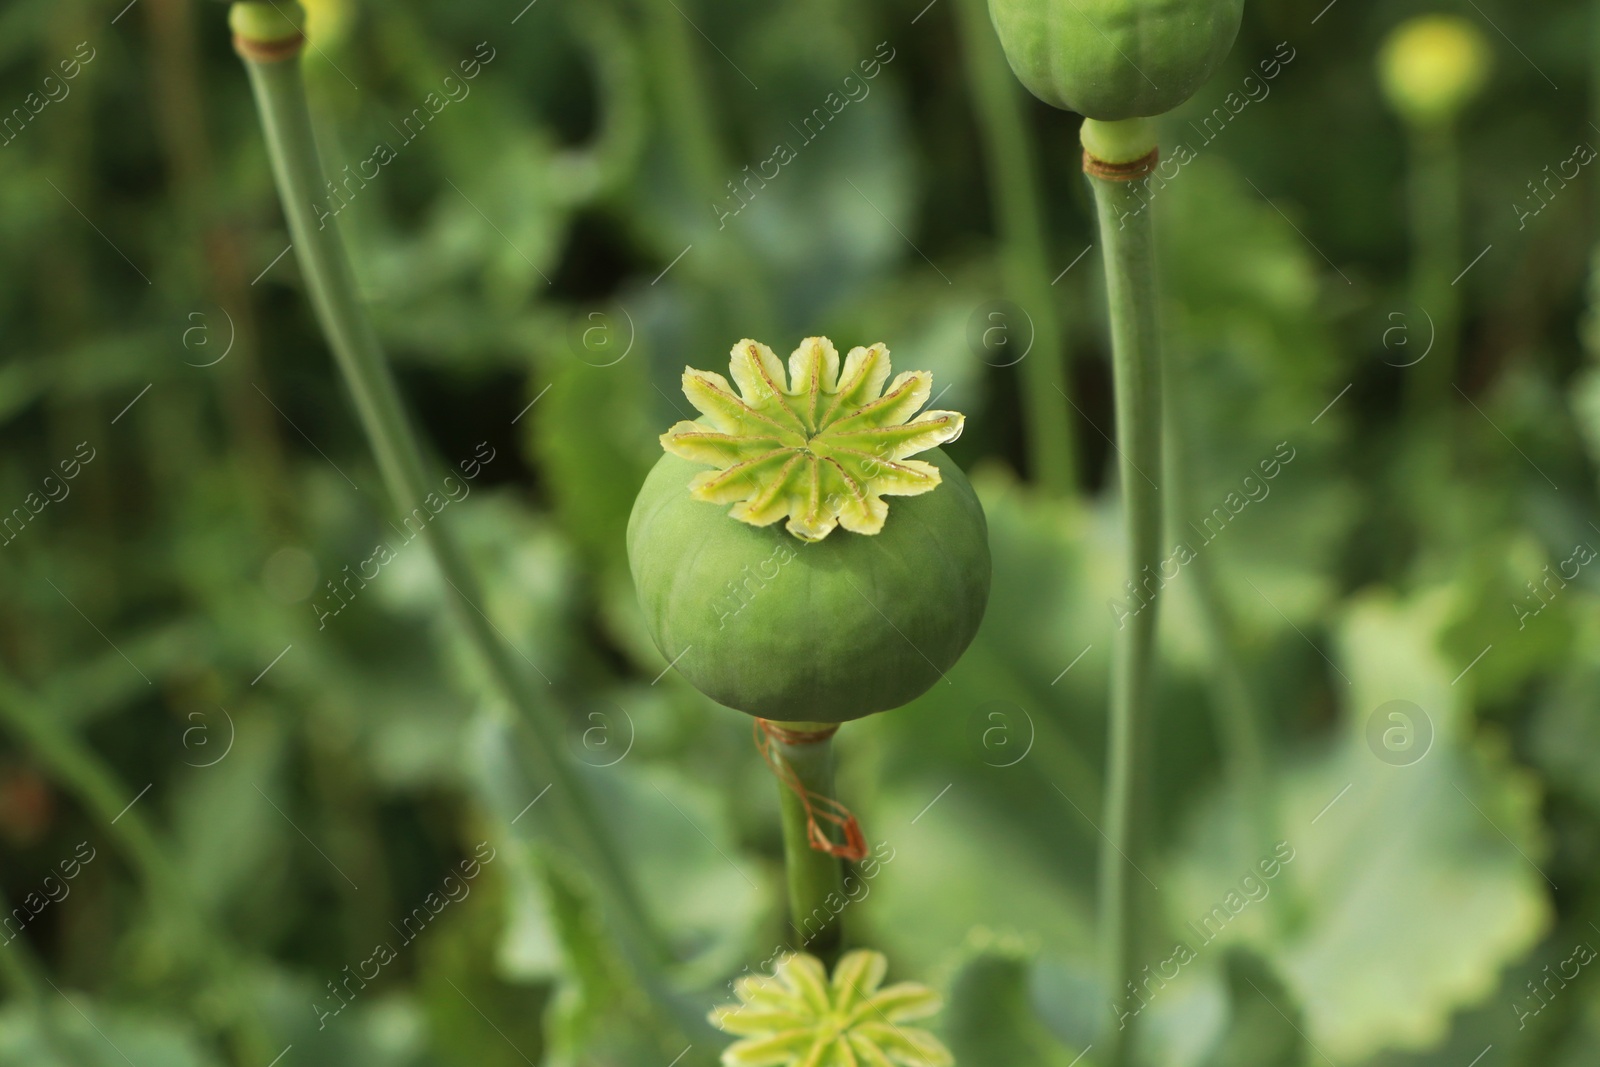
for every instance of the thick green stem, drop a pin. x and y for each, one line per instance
(280, 96)
(1013, 175)
(816, 878)
(1127, 240)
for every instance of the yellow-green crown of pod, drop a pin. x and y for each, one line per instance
(1432, 66)
(801, 1016)
(1115, 59)
(817, 446)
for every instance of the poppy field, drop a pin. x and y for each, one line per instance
(662, 533)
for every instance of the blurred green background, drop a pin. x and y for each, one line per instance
(218, 794)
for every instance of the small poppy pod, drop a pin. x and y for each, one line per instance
(851, 608)
(1432, 66)
(1115, 59)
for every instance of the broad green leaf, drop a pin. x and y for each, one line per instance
(1435, 859)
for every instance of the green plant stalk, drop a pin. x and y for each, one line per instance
(1012, 168)
(1127, 240)
(814, 876)
(280, 95)
(1434, 198)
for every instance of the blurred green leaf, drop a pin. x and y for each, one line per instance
(223, 846)
(1436, 857)
(81, 1033)
(591, 430)
(1265, 1024)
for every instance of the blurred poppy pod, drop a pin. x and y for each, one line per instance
(1115, 59)
(1432, 66)
(854, 607)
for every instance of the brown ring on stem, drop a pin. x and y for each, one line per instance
(817, 806)
(779, 732)
(258, 51)
(1121, 172)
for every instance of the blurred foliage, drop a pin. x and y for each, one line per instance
(270, 787)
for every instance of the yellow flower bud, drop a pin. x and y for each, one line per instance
(1432, 66)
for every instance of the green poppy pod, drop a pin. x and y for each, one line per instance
(1115, 59)
(851, 608)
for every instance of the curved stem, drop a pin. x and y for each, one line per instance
(1127, 240)
(814, 876)
(1010, 158)
(280, 95)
